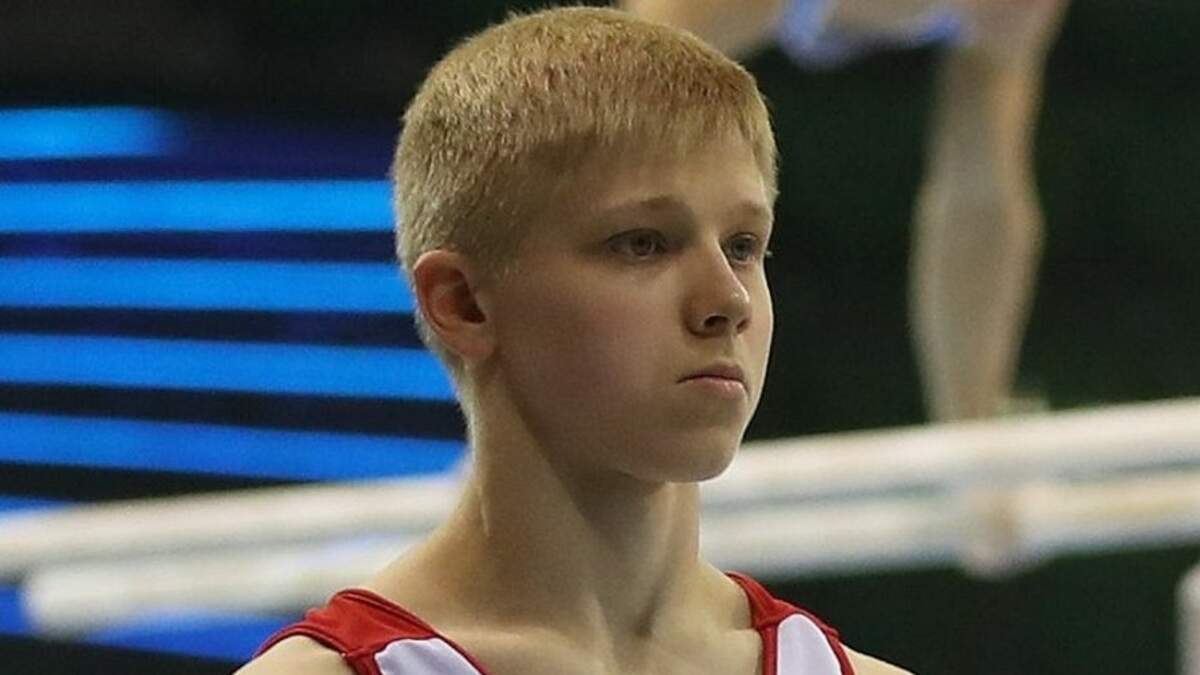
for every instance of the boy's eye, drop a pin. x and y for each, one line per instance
(639, 244)
(745, 248)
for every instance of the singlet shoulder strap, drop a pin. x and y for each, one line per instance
(370, 632)
(788, 633)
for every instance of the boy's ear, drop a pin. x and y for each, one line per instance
(445, 289)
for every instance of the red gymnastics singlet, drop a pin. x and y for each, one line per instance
(378, 637)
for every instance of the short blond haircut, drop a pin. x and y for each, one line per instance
(501, 123)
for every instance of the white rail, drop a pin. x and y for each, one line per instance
(977, 456)
(991, 496)
(1005, 451)
(992, 532)
(266, 517)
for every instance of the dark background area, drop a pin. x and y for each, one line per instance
(1118, 158)
(1115, 317)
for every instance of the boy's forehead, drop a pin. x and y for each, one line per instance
(641, 179)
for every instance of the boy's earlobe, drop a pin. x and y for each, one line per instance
(444, 290)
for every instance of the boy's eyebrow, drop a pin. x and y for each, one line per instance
(746, 209)
(665, 203)
(756, 211)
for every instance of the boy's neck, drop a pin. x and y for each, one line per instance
(598, 559)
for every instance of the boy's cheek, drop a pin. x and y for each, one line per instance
(580, 344)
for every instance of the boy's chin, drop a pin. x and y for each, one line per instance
(693, 464)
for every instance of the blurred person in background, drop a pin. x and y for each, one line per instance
(977, 228)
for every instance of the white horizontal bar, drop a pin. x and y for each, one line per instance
(284, 578)
(1083, 442)
(1115, 513)
(180, 524)
(1020, 527)
(868, 535)
(64, 599)
(839, 466)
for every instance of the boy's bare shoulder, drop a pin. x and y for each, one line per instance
(867, 665)
(297, 656)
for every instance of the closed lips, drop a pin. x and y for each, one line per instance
(723, 372)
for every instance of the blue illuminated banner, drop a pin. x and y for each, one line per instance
(212, 449)
(109, 206)
(81, 133)
(14, 619)
(10, 504)
(223, 366)
(203, 284)
(193, 632)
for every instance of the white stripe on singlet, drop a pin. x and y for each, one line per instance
(804, 649)
(430, 656)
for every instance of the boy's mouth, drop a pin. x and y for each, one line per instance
(719, 371)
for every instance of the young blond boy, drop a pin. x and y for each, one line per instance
(585, 203)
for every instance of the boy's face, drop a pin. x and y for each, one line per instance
(633, 337)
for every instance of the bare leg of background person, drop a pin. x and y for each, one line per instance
(978, 227)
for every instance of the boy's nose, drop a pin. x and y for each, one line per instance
(720, 303)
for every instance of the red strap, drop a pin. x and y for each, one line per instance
(766, 611)
(358, 623)
(355, 619)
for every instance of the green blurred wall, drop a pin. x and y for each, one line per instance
(1116, 317)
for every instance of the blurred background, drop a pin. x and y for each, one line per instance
(197, 297)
